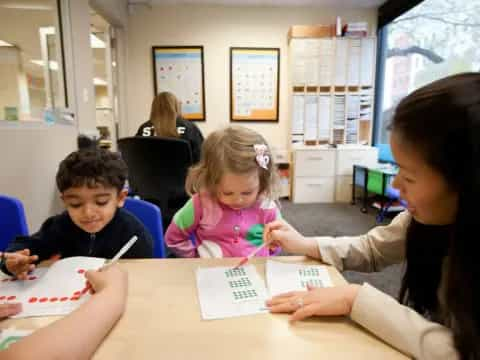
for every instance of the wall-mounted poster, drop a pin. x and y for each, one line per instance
(254, 84)
(179, 70)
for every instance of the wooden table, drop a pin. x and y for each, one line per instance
(163, 321)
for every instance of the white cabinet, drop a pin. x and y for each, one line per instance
(324, 174)
(314, 174)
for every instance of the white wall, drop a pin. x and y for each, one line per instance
(29, 158)
(217, 28)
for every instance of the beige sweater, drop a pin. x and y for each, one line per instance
(381, 314)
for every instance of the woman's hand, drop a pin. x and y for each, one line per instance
(330, 301)
(281, 233)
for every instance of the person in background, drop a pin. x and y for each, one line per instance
(166, 121)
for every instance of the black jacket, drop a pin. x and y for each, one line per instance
(59, 235)
(187, 131)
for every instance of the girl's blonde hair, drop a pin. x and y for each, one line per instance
(163, 115)
(232, 150)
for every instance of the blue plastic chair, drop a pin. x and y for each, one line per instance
(150, 215)
(12, 220)
(393, 195)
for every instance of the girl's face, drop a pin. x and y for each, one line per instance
(238, 191)
(430, 199)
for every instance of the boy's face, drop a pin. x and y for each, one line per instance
(91, 209)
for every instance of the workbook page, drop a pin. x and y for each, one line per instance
(227, 292)
(56, 290)
(285, 277)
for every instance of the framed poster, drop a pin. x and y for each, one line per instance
(179, 70)
(254, 83)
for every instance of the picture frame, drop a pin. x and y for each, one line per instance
(180, 70)
(254, 84)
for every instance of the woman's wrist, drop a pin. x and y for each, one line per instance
(351, 295)
(311, 248)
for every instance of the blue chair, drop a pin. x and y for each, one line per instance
(12, 220)
(150, 215)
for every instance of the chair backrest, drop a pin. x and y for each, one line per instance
(150, 215)
(12, 220)
(157, 168)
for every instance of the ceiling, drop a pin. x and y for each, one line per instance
(289, 3)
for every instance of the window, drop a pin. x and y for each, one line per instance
(435, 39)
(31, 66)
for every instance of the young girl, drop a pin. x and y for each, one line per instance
(435, 140)
(233, 189)
(166, 121)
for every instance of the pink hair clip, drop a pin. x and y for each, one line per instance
(261, 158)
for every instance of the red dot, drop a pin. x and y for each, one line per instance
(65, 298)
(74, 298)
(84, 291)
(53, 299)
(2, 297)
(32, 300)
(43, 299)
(81, 271)
(32, 277)
(77, 293)
(13, 297)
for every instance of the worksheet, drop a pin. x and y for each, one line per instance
(285, 277)
(55, 290)
(227, 292)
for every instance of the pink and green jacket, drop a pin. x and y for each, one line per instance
(233, 233)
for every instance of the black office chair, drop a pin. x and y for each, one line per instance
(157, 169)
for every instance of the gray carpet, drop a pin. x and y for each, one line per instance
(342, 220)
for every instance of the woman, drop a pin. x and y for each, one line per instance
(435, 140)
(166, 121)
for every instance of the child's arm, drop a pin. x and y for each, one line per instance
(19, 263)
(182, 226)
(28, 250)
(80, 336)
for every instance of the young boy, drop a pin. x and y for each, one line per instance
(91, 183)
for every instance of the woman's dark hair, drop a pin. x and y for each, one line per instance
(91, 167)
(442, 122)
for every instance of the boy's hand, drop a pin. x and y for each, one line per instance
(20, 263)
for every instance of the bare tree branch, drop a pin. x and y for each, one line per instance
(429, 54)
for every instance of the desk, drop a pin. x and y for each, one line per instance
(363, 176)
(162, 321)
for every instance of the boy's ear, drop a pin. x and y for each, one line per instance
(122, 195)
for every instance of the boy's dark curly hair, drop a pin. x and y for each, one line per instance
(92, 167)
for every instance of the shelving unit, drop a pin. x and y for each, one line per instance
(332, 87)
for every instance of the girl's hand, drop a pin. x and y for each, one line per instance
(331, 301)
(281, 233)
(7, 310)
(20, 263)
